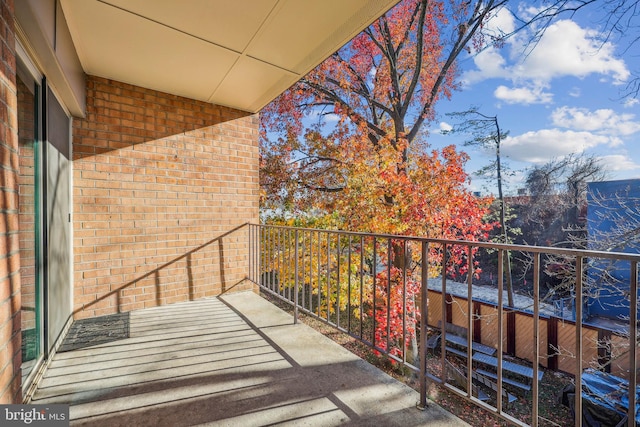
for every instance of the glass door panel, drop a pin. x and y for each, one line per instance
(29, 194)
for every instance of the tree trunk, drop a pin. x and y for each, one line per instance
(503, 224)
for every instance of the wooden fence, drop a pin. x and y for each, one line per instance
(557, 336)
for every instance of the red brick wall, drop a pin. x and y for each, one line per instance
(10, 354)
(157, 180)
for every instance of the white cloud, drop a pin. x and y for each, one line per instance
(565, 49)
(523, 95)
(445, 127)
(500, 23)
(602, 121)
(630, 102)
(324, 115)
(544, 145)
(619, 162)
(490, 64)
(527, 11)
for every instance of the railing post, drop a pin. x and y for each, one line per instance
(362, 251)
(250, 254)
(296, 282)
(319, 305)
(578, 349)
(405, 255)
(338, 256)
(349, 285)
(328, 275)
(500, 349)
(375, 260)
(633, 340)
(536, 338)
(443, 321)
(255, 244)
(260, 254)
(469, 319)
(268, 258)
(424, 319)
(389, 257)
(300, 295)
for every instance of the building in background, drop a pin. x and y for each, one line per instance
(613, 225)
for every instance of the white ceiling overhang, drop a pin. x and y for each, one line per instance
(236, 53)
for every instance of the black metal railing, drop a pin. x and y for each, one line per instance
(396, 294)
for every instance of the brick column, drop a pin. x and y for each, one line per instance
(10, 337)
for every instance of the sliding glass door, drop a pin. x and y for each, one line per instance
(57, 199)
(29, 92)
(44, 215)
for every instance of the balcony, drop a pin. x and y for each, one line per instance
(239, 360)
(232, 360)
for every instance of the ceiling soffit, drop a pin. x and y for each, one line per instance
(240, 53)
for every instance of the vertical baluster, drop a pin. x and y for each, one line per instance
(578, 349)
(296, 282)
(633, 340)
(424, 319)
(349, 285)
(281, 262)
(443, 331)
(250, 254)
(536, 337)
(277, 277)
(319, 273)
(500, 327)
(290, 253)
(311, 271)
(375, 261)
(328, 297)
(404, 301)
(338, 265)
(256, 253)
(389, 258)
(469, 319)
(301, 298)
(280, 249)
(269, 260)
(361, 283)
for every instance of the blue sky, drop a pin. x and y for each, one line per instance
(565, 96)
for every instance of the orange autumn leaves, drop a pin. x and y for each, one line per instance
(346, 147)
(348, 140)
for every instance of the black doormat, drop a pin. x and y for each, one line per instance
(97, 330)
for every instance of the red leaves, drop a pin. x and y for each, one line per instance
(395, 311)
(345, 145)
(370, 166)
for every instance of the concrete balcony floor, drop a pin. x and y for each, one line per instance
(236, 360)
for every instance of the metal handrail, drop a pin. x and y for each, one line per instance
(295, 264)
(586, 253)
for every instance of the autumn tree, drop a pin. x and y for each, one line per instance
(348, 141)
(372, 166)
